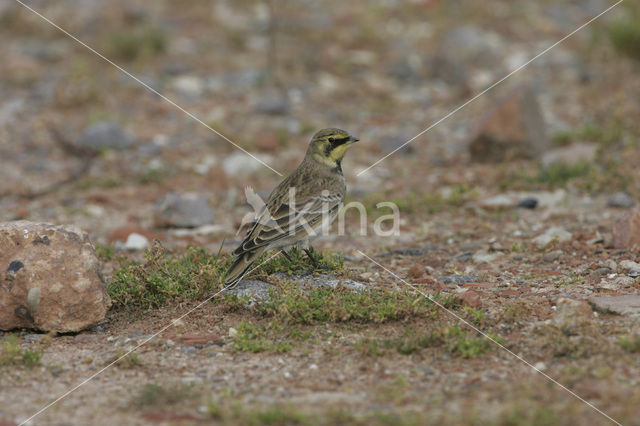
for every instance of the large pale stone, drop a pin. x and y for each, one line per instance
(626, 232)
(514, 128)
(49, 278)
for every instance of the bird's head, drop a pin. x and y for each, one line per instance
(328, 146)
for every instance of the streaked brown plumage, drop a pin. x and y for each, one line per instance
(285, 221)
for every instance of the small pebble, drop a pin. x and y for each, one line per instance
(188, 349)
(552, 256)
(620, 200)
(528, 203)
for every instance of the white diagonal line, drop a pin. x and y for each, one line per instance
(491, 87)
(88, 379)
(477, 330)
(146, 86)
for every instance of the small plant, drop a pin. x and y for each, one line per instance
(9, 350)
(152, 394)
(295, 305)
(105, 253)
(12, 354)
(458, 343)
(130, 361)
(368, 347)
(131, 44)
(559, 174)
(253, 338)
(300, 262)
(477, 316)
(630, 343)
(625, 36)
(31, 358)
(163, 278)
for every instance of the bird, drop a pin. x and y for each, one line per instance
(306, 201)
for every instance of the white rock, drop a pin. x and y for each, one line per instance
(136, 242)
(627, 265)
(239, 164)
(484, 256)
(497, 202)
(619, 283)
(189, 85)
(540, 366)
(232, 332)
(555, 233)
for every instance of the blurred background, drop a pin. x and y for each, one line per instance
(82, 143)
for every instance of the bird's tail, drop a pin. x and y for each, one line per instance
(240, 267)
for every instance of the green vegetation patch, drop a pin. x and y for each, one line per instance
(163, 278)
(137, 42)
(455, 340)
(12, 354)
(254, 338)
(295, 305)
(625, 35)
(630, 343)
(327, 261)
(154, 395)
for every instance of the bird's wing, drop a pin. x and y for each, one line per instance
(289, 220)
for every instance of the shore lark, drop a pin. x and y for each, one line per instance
(302, 205)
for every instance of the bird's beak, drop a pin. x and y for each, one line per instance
(353, 139)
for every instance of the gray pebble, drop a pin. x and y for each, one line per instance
(184, 210)
(458, 279)
(634, 273)
(105, 134)
(620, 200)
(188, 350)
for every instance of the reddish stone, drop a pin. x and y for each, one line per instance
(510, 293)
(472, 299)
(626, 232)
(515, 128)
(196, 339)
(416, 271)
(441, 286)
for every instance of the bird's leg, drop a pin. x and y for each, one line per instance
(315, 263)
(286, 255)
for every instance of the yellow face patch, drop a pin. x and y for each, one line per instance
(338, 152)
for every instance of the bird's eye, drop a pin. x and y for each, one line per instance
(332, 140)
